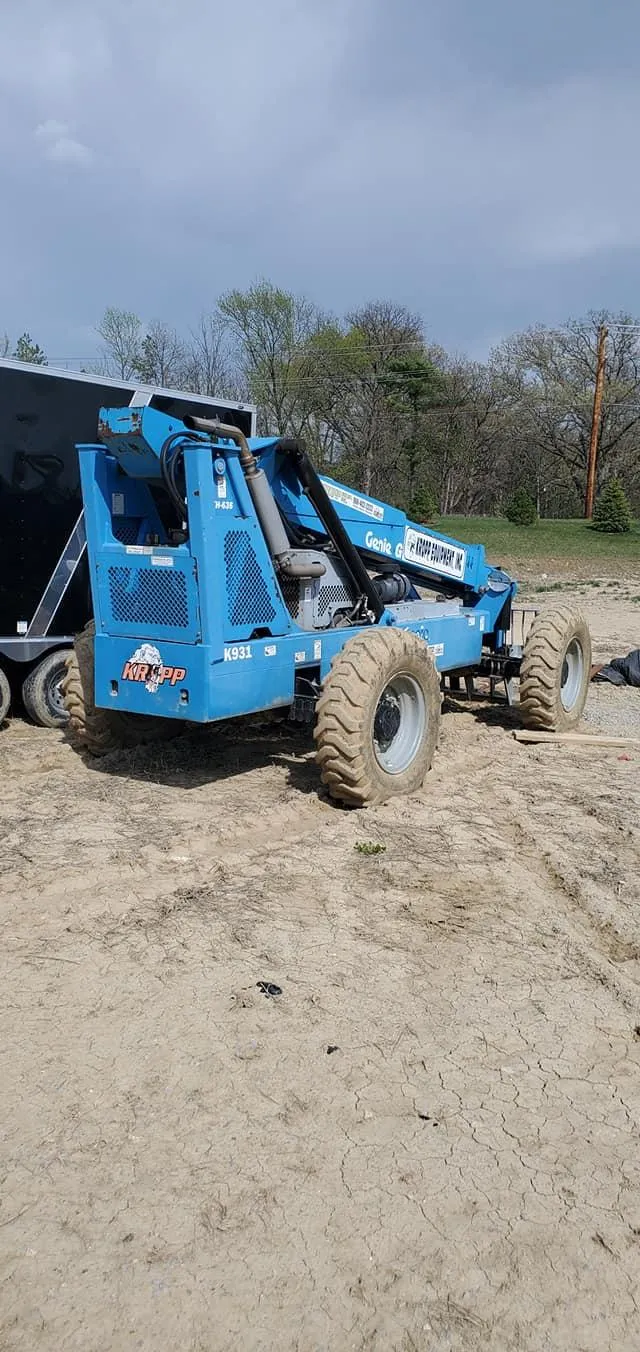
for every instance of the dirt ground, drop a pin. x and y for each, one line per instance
(429, 1140)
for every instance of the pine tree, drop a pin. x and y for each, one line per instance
(521, 509)
(423, 506)
(612, 512)
(26, 350)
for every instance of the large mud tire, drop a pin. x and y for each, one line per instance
(380, 681)
(95, 730)
(555, 671)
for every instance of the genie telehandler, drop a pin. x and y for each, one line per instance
(230, 579)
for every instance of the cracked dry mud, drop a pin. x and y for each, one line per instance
(186, 1165)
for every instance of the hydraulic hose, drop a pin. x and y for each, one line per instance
(290, 562)
(325, 509)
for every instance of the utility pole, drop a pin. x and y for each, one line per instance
(595, 423)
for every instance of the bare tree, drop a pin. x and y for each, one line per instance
(271, 329)
(554, 373)
(162, 359)
(363, 418)
(208, 361)
(122, 336)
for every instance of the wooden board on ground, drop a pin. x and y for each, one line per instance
(573, 738)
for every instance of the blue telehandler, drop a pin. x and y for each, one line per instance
(230, 579)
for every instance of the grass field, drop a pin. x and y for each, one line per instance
(555, 546)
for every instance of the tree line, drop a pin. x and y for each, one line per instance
(394, 413)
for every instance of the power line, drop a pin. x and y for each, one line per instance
(398, 352)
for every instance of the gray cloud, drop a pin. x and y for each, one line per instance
(481, 172)
(59, 147)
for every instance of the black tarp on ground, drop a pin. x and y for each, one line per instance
(621, 670)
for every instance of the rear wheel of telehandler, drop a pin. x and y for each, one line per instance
(96, 730)
(555, 671)
(378, 717)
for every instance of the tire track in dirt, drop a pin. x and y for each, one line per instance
(549, 863)
(428, 1140)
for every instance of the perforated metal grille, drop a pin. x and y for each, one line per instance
(125, 529)
(331, 596)
(149, 596)
(290, 588)
(248, 600)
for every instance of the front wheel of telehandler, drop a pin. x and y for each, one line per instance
(555, 671)
(96, 730)
(378, 717)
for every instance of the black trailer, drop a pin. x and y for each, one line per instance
(44, 586)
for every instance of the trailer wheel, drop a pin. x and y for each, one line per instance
(5, 696)
(378, 717)
(555, 671)
(96, 730)
(42, 691)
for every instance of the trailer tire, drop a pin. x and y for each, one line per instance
(555, 671)
(42, 691)
(99, 731)
(378, 717)
(5, 696)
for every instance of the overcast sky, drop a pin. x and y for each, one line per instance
(475, 160)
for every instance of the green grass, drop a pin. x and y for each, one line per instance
(549, 545)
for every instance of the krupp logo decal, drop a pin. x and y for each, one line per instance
(438, 555)
(146, 665)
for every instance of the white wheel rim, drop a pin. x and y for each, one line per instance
(572, 675)
(56, 693)
(399, 724)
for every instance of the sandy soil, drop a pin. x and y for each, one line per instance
(428, 1140)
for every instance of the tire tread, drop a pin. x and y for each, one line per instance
(541, 671)
(345, 710)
